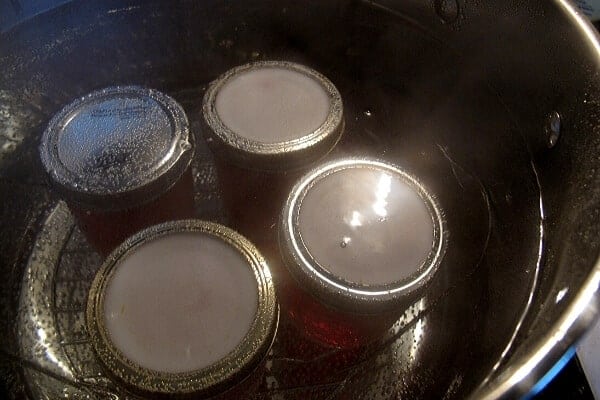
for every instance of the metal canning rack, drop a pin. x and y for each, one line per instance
(58, 359)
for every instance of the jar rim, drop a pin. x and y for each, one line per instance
(111, 137)
(210, 380)
(277, 156)
(334, 290)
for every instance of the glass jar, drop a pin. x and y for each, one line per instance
(360, 239)
(120, 158)
(185, 308)
(266, 122)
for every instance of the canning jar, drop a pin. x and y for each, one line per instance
(120, 159)
(360, 239)
(185, 308)
(266, 122)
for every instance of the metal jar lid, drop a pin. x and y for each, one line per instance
(367, 297)
(211, 379)
(117, 148)
(279, 155)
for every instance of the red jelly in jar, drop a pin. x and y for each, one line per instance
(360, 239)
(120, 157)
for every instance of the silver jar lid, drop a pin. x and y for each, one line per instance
(290, 146)
(157, 324)
(117, 147)
(361, 235)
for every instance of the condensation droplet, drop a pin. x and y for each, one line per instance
(448, 10)
(185, 145)
(553, 128)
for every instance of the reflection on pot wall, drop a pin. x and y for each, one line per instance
(591, 8)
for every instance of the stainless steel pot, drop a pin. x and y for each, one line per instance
(493, 105)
